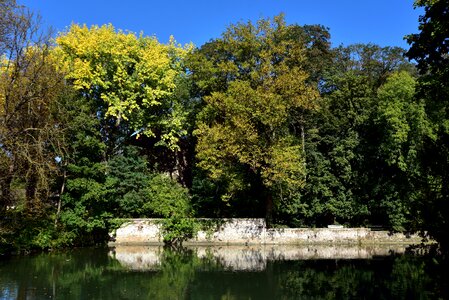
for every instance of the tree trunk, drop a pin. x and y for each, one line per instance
(5, 199)
(303, 142)
(31, 188)
(58, 211)
(269, 210)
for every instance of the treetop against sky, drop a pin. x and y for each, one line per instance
(382, 22)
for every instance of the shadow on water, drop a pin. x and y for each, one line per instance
(232, 272)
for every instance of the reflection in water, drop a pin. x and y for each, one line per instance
(223, 273)
(252, 258)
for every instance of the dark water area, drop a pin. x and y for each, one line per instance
(223, 273)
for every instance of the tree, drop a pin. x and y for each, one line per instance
(332, 191)
(30, 85)
(255, 88)
(6, 22)
(31, 130)
(133, 79)
(84, 208)
(403, 125)
(371, 61)
(129, 90)
(430, 49)
(347, 175)
(139, 89)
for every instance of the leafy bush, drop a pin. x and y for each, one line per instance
(176, 229)
(169, 200)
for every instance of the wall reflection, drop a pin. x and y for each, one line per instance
(250, 258)
(232, 272)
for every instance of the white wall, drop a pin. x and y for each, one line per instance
(254, 231)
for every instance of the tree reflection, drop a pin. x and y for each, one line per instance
(184, 274)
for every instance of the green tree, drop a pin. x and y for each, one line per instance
(334, 153)
(347, 176)
(371, 61)
(84, 207)
(256, 87)
(430, 49)
(126, 183)
(403, 125)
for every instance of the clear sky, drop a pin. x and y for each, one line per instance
(383, 22)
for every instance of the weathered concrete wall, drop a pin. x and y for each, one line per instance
(254, 231)
(138, 231)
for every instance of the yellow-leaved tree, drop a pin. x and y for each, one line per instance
(130, 78)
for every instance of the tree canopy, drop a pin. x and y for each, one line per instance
(267, 120)
(248, 124)
(133, 78)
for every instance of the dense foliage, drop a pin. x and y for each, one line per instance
(430, 49)
(265, 121)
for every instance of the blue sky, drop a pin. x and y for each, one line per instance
(383, 22)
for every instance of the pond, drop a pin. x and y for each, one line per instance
(230, 272)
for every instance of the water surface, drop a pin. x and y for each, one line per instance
(233, 272)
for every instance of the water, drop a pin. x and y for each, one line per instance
(234, 272)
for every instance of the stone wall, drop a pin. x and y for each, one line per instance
(254, 231)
